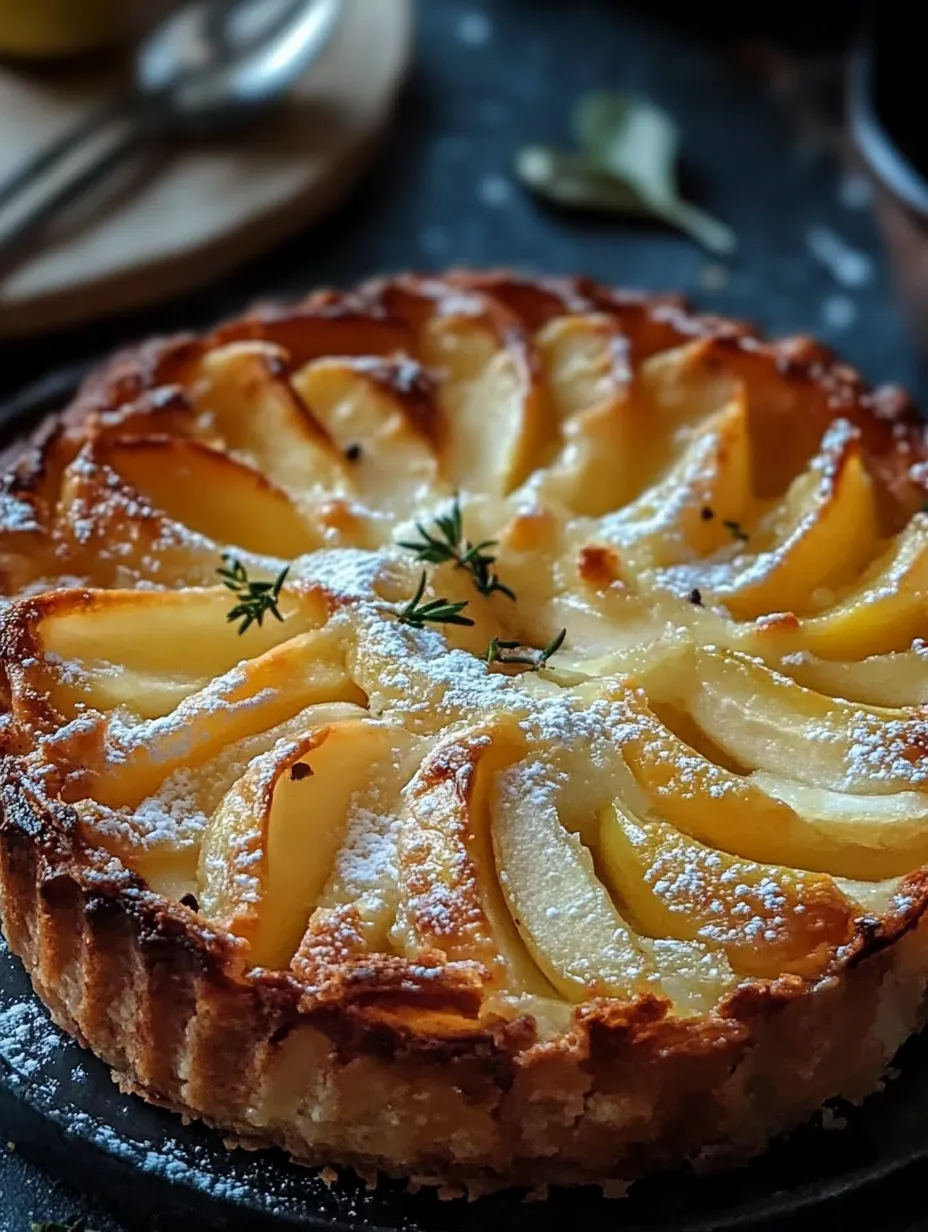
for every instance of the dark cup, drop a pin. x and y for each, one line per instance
(888, 115)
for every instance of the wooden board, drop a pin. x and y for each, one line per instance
(182, 215)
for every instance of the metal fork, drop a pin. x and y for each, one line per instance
(210, 66)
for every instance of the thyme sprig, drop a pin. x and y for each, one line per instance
(448, 544)
(255, 599)
(436, 611)
(509, 652)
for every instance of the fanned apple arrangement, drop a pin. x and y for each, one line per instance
(473, 729)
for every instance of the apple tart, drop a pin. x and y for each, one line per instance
(473, 729)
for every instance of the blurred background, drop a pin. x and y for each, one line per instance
(757, 93)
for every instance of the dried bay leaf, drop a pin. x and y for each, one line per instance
(626, 165)
(570, 179)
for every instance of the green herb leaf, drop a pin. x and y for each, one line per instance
(638, 143)
(436, 611)
(450, 545)
(256, 599)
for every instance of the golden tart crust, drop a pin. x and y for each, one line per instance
(339, 885)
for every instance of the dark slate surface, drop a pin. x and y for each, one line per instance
(490, 75)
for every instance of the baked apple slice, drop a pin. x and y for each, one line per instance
(567, 919)
(450, 898)
(603, 455)
(619, 429)
(768, 919)
(885, 610)
(379, 416)
(897, 821)
(584, 362)
(88, 652)
(731, 813)
(249, 698)
(562, 910)
(897, 680)
(689, 511)
(685, 385)
(241, 392)
(356, 911)
(210, 492)
(28, 498)
(495, 425)
(160, 836)
(109, 537)
(820, 537)
(270, 847)
(766, 721)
